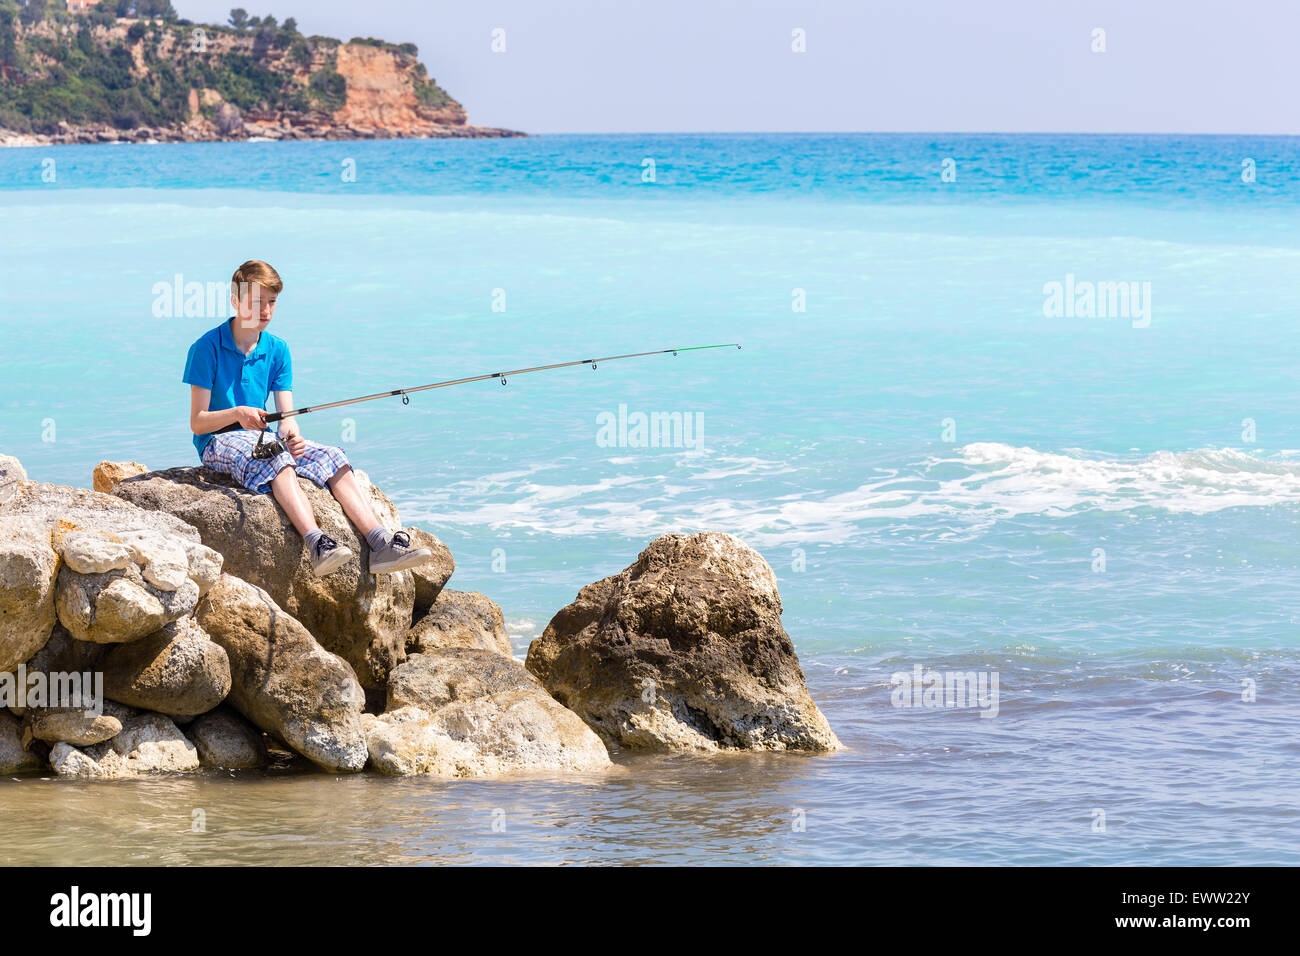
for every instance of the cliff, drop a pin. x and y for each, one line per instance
(94, 79)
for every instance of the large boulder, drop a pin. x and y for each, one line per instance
(226, 740)
(282, 680)
(72, 726)
(28, 572)
(460, 619)
(432, 577)
(175, 671)
(684, 650)
(469, 713)
(359, 616)
(118, 606)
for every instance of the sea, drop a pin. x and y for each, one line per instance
(1016, 407)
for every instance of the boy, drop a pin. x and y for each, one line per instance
(231, 371)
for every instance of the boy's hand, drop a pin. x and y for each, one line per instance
(293, 440)
(250, 417)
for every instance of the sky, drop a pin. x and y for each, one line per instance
(603, 66)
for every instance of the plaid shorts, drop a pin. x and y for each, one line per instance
(231, 453)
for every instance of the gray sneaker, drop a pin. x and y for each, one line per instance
(398, 555)
(328, 555)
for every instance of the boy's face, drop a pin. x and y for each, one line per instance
(254, 306)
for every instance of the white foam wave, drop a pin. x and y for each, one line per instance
(980, 485)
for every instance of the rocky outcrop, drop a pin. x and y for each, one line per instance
(471, 713)
(460, 619)
(359, 616)
(175, 671)
(385, 91)
(684, 650)
(282, 680)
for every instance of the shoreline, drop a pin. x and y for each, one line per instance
(146, 136)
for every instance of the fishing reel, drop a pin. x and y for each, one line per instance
(264, 450)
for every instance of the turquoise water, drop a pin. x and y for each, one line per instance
(1103, 510)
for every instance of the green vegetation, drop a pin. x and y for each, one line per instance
(328, 90)
(57, 67)
(402, 49)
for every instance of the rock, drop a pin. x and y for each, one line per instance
(229, 119)
(14, 757)
(684, 650)
(460, 619)
(175, 671)
(432, 680)
(90, 552)
(470, 713)
(68, 761)
(11, 473)
(88, 530)
(361, 617)
(224, 739)
(69, 668)
(59, 509)
(28, 576)
(429, 578)
(151, 743)
(148, 743)
(108, 473)
(118, 606)
(72, 726)
(282, 680)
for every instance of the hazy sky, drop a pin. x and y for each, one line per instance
(1202, 66)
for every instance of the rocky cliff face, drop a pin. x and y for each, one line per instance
(327, 89)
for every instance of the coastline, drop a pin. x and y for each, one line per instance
(100, 134)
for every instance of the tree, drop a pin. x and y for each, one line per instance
(32, 11)
(268, 22)
(291, 25)
(239, 18)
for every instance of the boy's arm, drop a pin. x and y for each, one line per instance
(284, 403)
(288, 430)
(203, 422)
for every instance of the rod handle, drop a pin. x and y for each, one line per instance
(236, 427)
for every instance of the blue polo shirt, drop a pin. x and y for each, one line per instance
(233, 378)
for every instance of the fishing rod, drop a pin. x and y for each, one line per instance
(271, 449)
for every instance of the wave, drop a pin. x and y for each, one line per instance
(979, 485)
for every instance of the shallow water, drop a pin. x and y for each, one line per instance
(1103, 515)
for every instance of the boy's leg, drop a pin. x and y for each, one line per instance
(232, 453)
(343, 486)
(295, 504)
